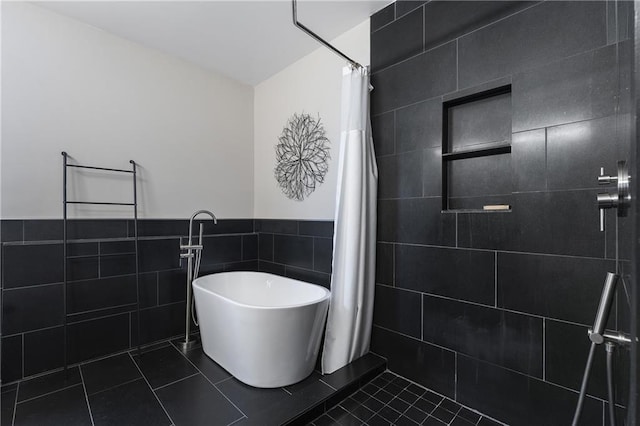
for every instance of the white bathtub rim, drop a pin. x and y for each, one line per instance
(326, 296)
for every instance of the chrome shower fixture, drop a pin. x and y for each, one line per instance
(193, 255)
(606, 299)
(620, 200)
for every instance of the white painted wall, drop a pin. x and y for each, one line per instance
(311, 85)
(69, 86)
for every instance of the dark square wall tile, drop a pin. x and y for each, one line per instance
(398, 310)
(405, 6)
(425, 76)
(383, 17)
(148, 289)
(43, 230)
(78, 229)
(456, 273)
(316, 228)
(400, 176)
(32, 308)
(102, 293)
(172, 286)
(161, 227)
(531, 402)
(250, 247)
(221, 249)
(399, 40)
(82, 268)
(18, 270)
(277, 226)
(561, 222)
(566, 288)
(415, 220)
(447, 20)
(432, 172)
(272, 268)
(575, 152)
(43, 350)
(313, 277)
(117, 247)
(539, 35)
(11, 230)
(419, 126)
(161, 254)
(99, 337)
(529, 160)
(581, 87)
(293, 250)
(265, 246)
(504, 338)
(11, 365)
(120, 264)
(322, 254)
(159, 323)
(420, 362)
(384, 263)
(383, 133)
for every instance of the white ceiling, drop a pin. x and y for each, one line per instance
(248, 41)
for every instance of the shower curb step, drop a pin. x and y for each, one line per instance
(346, 381)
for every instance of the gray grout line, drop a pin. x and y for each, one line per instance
(86, 397)
(15, 405)
(150, 388)
(117, 386)
(48, 393)
(329, 385)
(177, 381)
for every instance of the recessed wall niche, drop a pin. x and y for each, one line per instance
(476, 150)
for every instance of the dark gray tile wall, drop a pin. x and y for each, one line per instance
(296, 249)
(101, 289)
(492, 309)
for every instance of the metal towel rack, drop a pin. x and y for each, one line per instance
(65, 203)
(294, 9)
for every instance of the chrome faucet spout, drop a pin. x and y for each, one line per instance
(215, 221)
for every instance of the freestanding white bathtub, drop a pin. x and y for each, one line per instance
(263, 329)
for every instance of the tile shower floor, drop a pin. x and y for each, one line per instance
(390, 399)
(166, 387)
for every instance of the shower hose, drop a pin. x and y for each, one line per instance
(610, 347)
(583, 388)
(196, 270)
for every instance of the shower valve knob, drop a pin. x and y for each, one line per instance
(606, 179)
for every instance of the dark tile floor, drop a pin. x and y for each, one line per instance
(390, 399)
(163, 386)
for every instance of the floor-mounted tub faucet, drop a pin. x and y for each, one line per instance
(193, 254)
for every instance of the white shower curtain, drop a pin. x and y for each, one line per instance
(348, 331)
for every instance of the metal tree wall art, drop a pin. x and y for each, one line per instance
(302, 156)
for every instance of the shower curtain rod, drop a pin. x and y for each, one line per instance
(317, 37)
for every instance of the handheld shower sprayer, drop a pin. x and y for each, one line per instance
(596, 334)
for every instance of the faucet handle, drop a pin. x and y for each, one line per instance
(606, 179)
